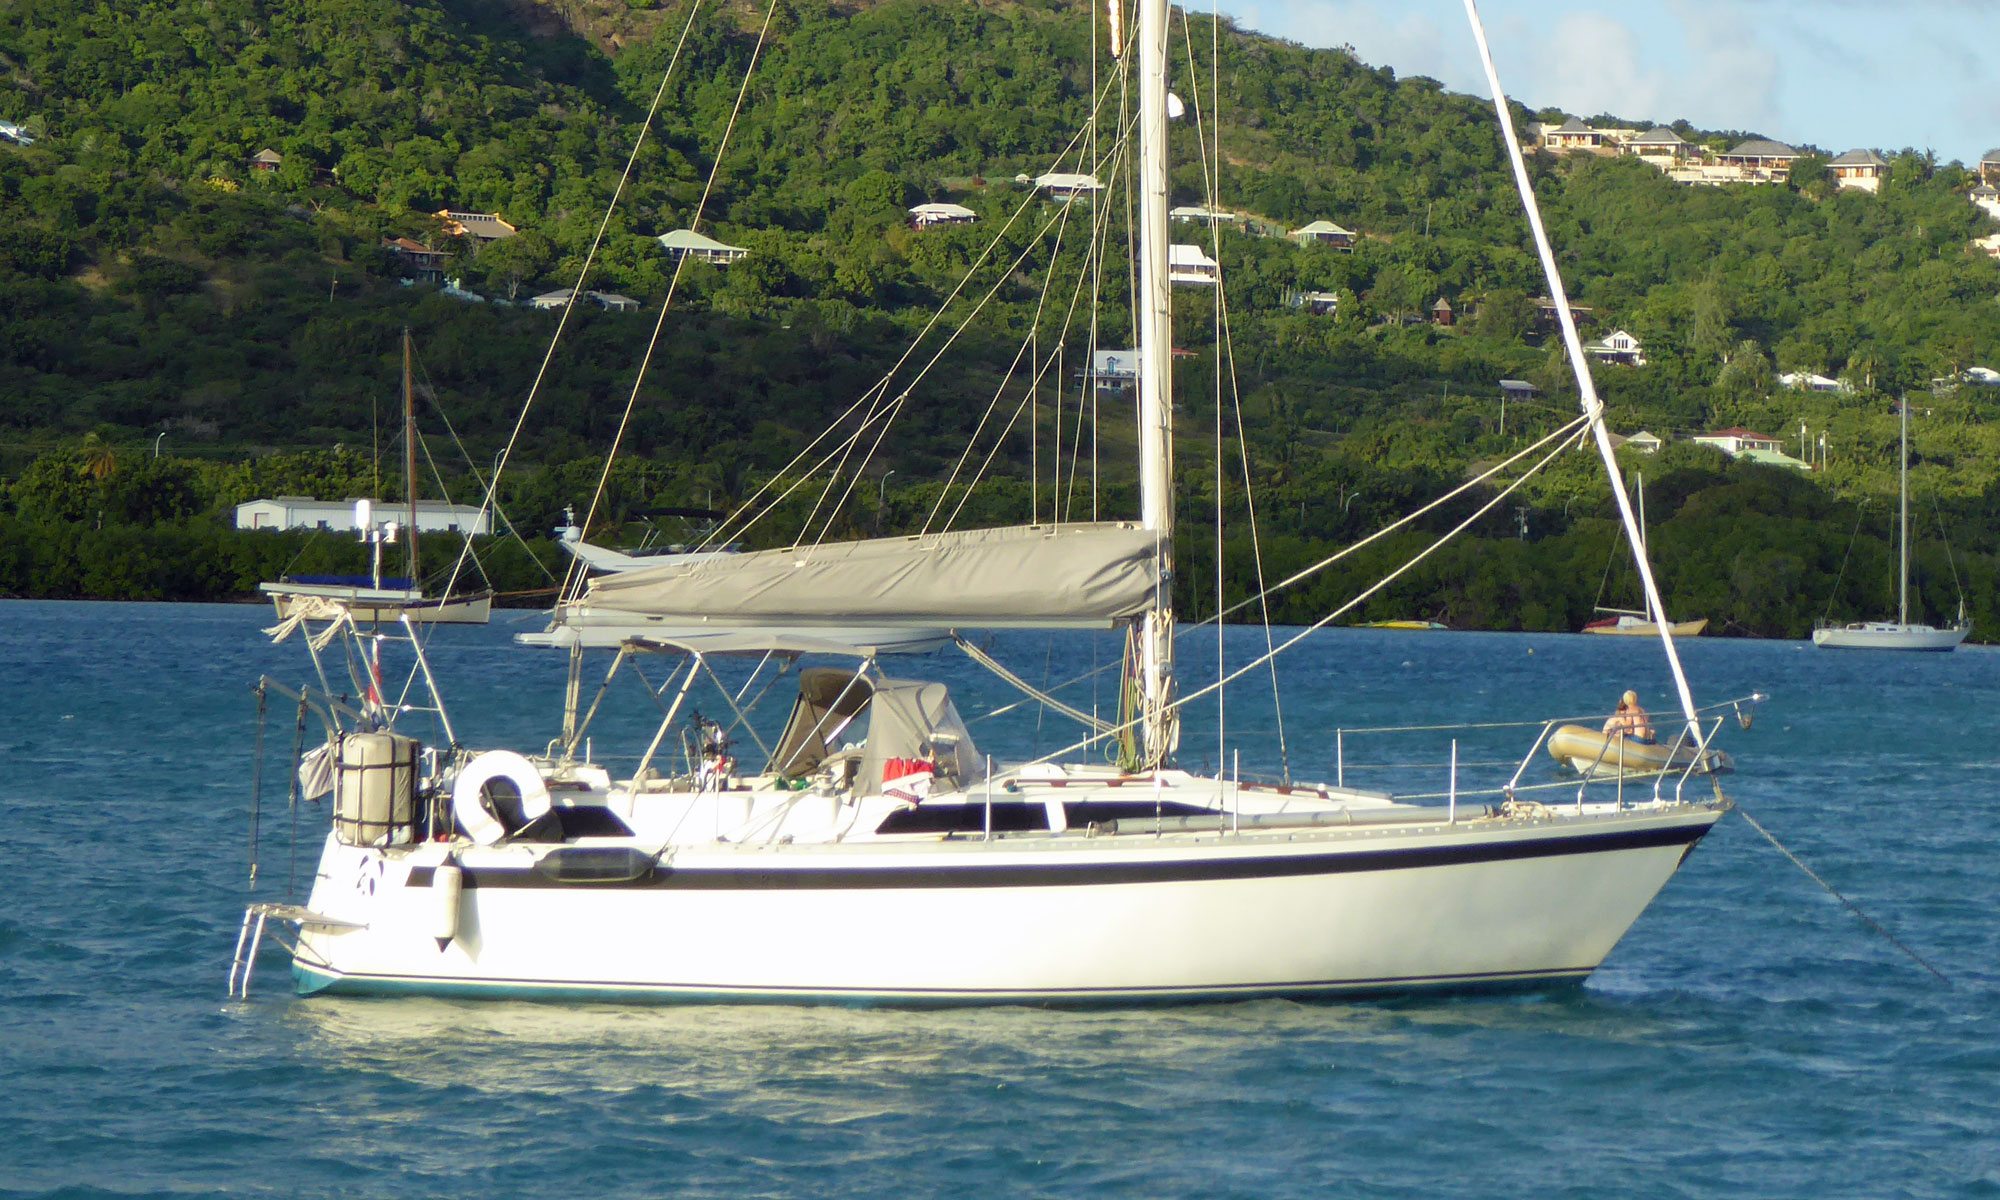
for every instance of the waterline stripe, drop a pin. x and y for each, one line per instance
(316, 982)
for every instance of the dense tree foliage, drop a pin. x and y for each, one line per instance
(152, 282)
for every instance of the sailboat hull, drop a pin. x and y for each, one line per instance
(1046, 920)
(385, 604)
(1625, 627)
(1889, 635)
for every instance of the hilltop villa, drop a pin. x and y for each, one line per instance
(1617, 347)
(923, 216)
(1324, 233)
(1191, 265)
(686, 243)
(1062, 185)
(1735, 440)
(1987, 197)
(1659, 145)
(1861, 170)
(1806, 381)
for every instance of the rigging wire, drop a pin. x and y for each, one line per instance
(590, 256)
(576, 572)
(735, 525)
(1945, 537)
(1562, 434)
(1226, 354)
(1351, 604)
(1042, 368)
(492, 502)
(1833, 597)
(881, 388)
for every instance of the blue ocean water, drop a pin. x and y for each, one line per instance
(1749, 1038)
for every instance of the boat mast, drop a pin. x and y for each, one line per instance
(1156, 435)
(1903, 527)
(410, 453)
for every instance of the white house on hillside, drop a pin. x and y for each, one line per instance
(1208, 216)
(1760, 160)
(923, 216)
(1324, 233)
(1061, 185)
(1989, 168)
(1806, 381)
(337, 516)
(560, 298)
(1572, 134)
(1735, 440)
(1114, 370)
(481, 227)
(1987, 197)
(1659, 145)
(1617, 347)
(687, 243)
(1319, 304)
(1862, 170)
(1191, 265)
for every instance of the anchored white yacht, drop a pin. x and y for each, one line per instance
(877, 855)
(1901, 633)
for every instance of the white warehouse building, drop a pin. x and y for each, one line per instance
(304, 512)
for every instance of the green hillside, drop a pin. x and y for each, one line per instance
(152, 282)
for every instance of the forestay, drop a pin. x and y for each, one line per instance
(1071, 575)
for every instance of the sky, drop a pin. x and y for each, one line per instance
(1837, 74)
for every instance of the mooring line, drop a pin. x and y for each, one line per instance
(1852, 907)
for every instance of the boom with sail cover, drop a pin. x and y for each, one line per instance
(1071, 576)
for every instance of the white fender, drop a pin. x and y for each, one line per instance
(474, 821)
(441, 905)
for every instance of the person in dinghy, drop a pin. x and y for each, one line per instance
(1630, 721)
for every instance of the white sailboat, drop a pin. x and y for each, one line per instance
(371, 598)
(879, 857)
(1624, 622)
(1901, 633)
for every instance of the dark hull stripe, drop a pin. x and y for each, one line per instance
(1176, 870)
(314, 981)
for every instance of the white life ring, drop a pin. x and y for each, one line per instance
(468, 801)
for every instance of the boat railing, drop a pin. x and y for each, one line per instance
(1700, 735)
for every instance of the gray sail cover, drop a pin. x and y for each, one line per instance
(1074, 574)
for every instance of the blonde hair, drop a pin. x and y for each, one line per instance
(1630, 698)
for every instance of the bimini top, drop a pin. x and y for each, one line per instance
(1085, 575)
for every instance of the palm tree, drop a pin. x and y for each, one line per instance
(99, 459)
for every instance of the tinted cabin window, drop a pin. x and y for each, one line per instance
(1022, 816)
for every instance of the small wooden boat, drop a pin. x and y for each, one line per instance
(1594, 753)
(1403, 625)
(1635, 625)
